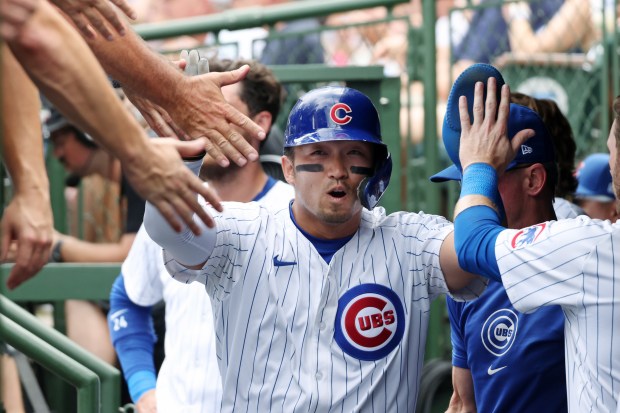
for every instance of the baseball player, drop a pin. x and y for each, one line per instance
(189, 378)
(569, 263)
(322, 306)
(491, 340)
(595, 193)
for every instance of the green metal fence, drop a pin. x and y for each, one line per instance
(408, 96)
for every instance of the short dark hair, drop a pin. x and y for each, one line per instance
(563, 142)
(260, 89)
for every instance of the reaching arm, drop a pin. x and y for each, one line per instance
(133, 337)
(60, 63)
(195, 103)
(27, 219)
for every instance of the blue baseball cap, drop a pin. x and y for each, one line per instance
(537, 149)
(594, 179)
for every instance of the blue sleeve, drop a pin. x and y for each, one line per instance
(133, 337)
(475, 232)
(459, 351)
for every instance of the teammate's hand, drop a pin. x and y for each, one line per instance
(28, 223)
(202, 111)
(13, 14)
(147, 402)
(157, 118)
(486, 140)
(160, 177)
(86, 13)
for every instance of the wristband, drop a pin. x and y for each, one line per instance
(481, 179)
(139, 383)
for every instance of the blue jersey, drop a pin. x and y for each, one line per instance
(516, 360)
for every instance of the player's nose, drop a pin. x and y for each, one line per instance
(337, 168)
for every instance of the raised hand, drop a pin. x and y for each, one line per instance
(96, 13)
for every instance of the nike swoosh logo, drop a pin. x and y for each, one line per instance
(278, 263)
(492, 371)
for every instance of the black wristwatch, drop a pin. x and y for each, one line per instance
(56, 256)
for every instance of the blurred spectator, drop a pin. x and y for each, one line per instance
(571, 27)
(595, 191)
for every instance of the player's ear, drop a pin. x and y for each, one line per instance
(536, 179)
(289, 169)
(263, 119)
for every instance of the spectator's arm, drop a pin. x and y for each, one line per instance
(60, 63)
(27, 220)
(72, 249)
(195, 103)
(571, 26)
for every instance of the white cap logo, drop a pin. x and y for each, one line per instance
(526, 149)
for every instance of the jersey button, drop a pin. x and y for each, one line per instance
(319, 375)
(322, 325)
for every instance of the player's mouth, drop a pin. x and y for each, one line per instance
(338, 193)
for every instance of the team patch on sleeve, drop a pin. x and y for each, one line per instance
(527, 236)
(370, 321)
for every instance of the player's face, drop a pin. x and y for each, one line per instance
(326, 177)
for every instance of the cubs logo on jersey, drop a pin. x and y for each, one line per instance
(527, 236)
(499, 331)
(339, 113)
(370, 321)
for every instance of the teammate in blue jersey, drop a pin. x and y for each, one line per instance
(491, 340)
(322, 306)
(568, 263)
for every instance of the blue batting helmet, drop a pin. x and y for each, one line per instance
(334, 113)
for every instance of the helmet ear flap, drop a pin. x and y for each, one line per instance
(372, 188)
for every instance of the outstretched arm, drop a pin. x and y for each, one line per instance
(27, 220)
(195, 103)
(60, 63)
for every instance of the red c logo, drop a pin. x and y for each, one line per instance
(335, 115)
(351, 319)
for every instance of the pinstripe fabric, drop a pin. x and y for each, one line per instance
(572, 263)
(275, 321)
(189, 379)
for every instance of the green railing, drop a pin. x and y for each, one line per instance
(59, 282)
(255, 17)
(53, 359)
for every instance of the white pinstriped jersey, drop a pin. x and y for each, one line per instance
(566, 209)
(189, 379)
(296, 334)
(572, 263)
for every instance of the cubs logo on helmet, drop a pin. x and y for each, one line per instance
(339, 113)
(527, 236)
(370, 322)
(499, 331)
